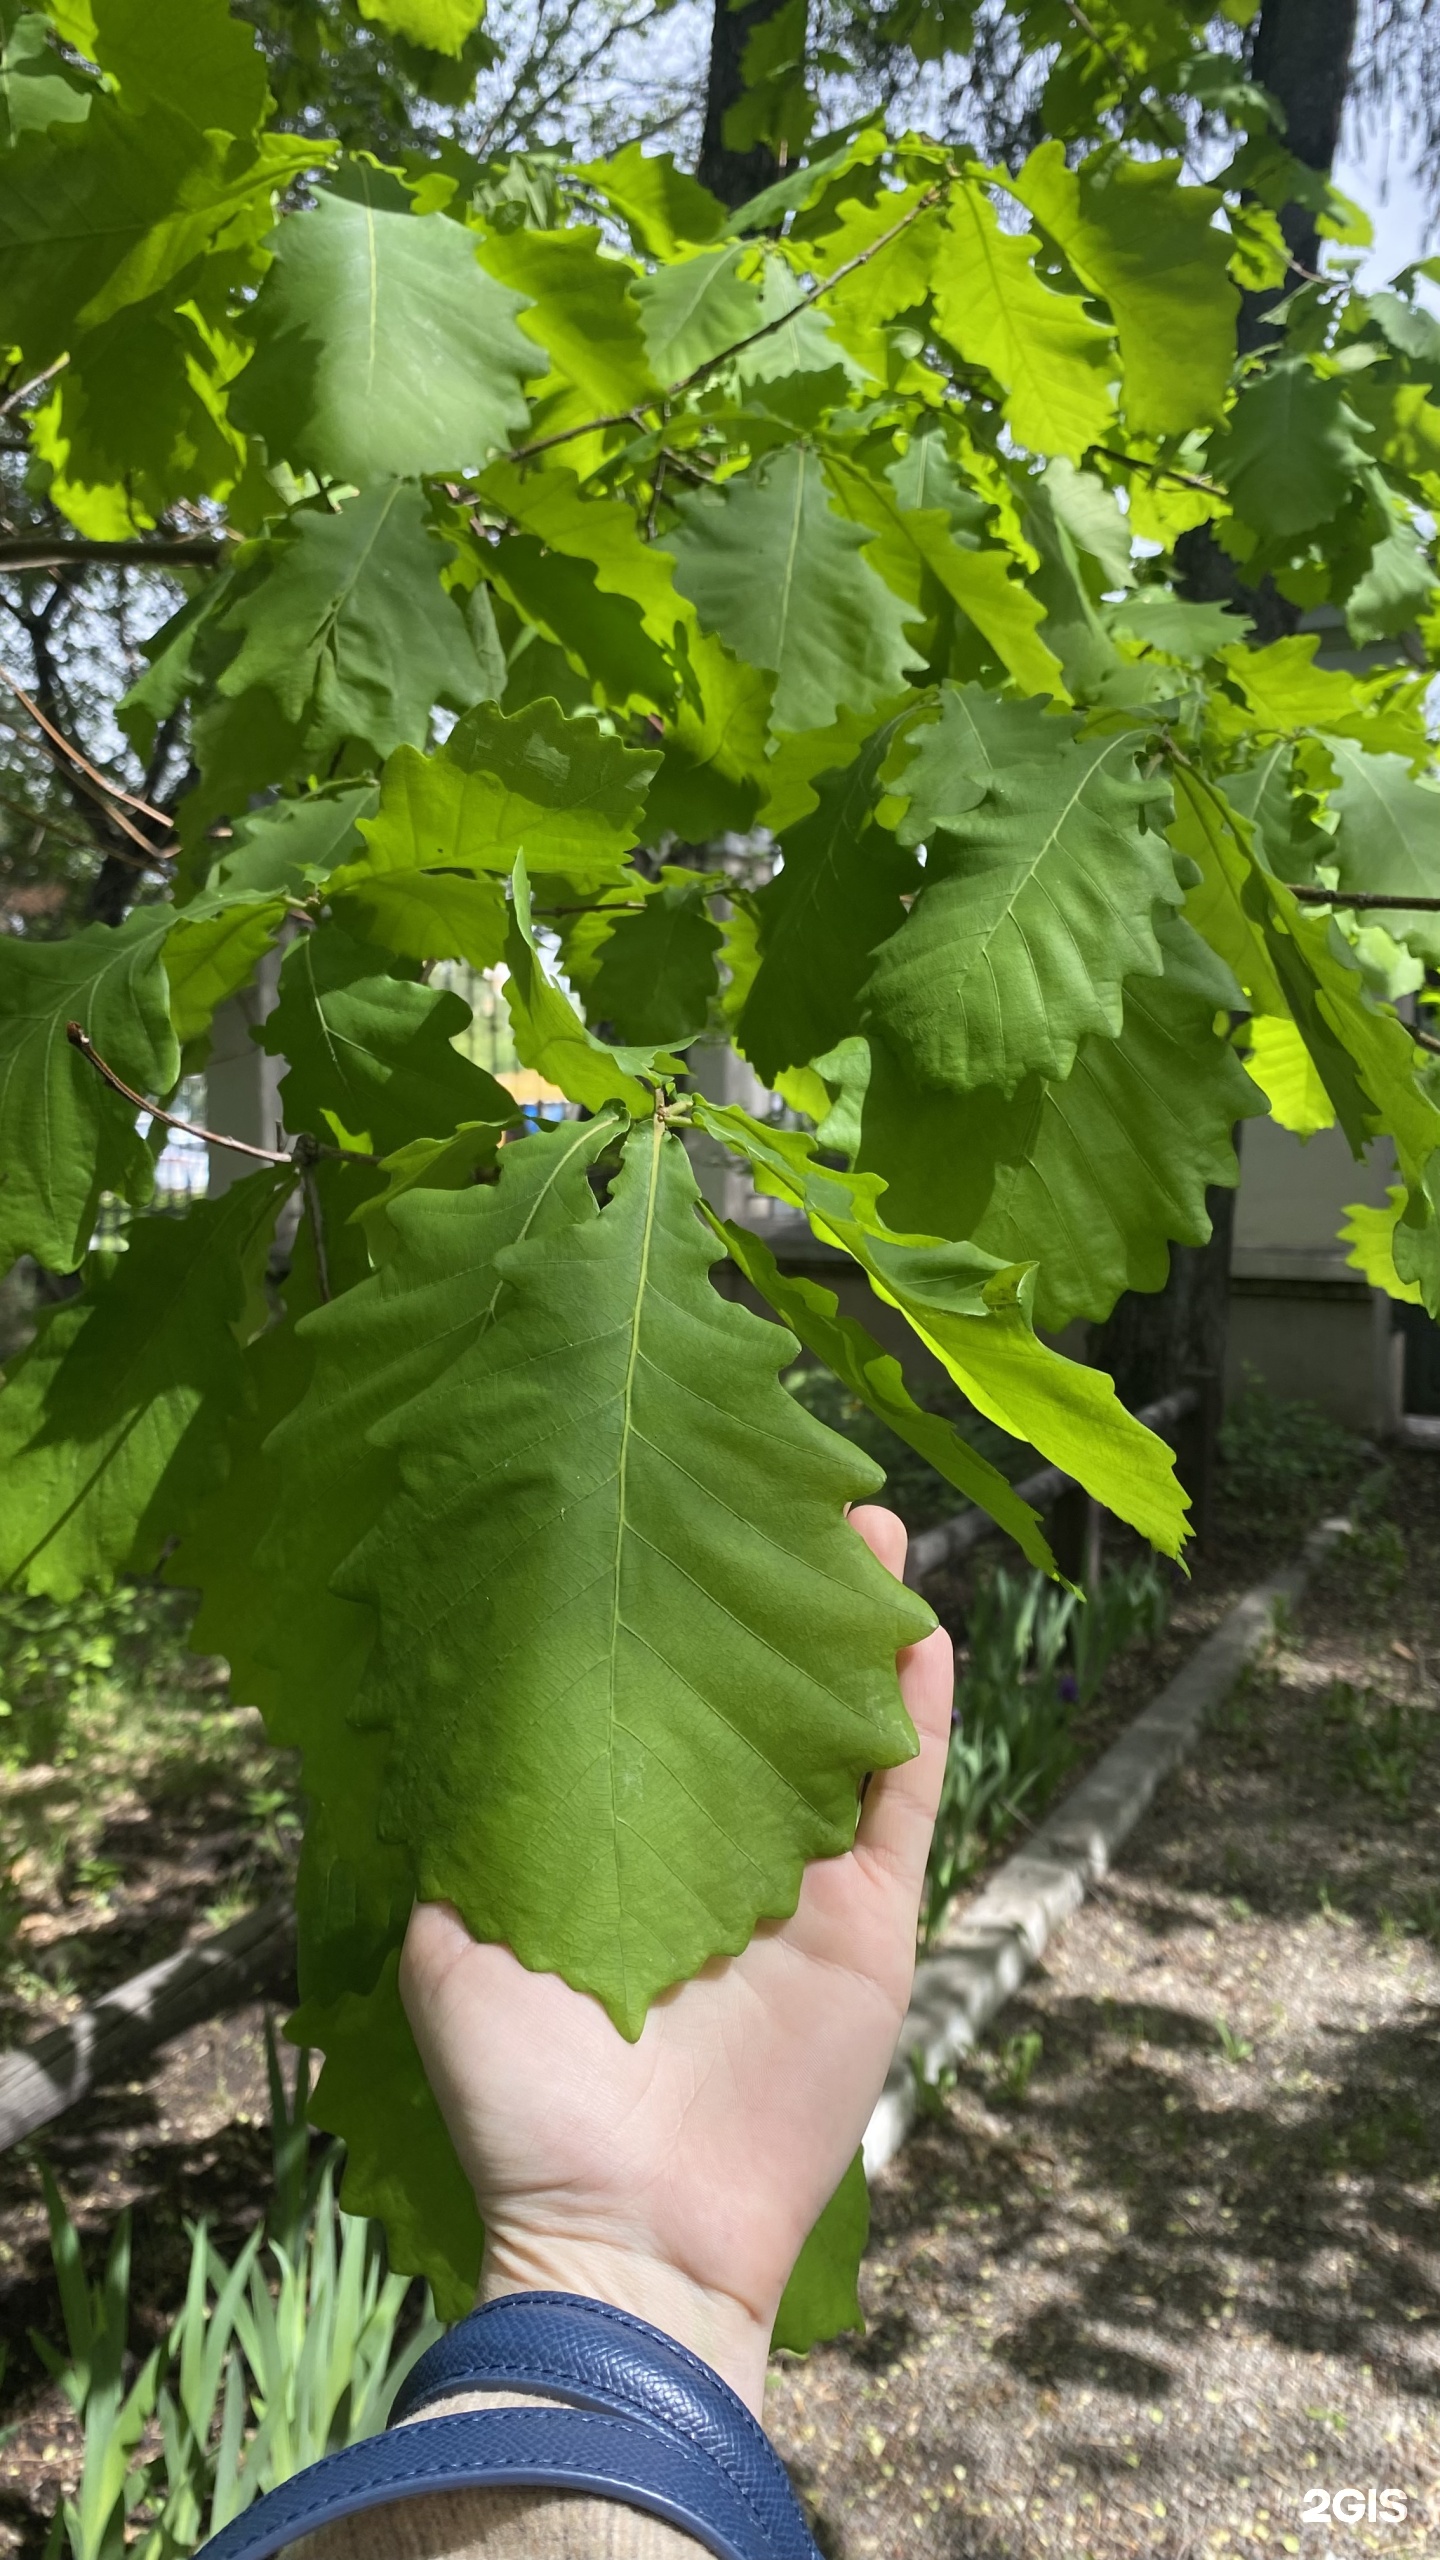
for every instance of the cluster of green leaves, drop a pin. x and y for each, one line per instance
(849, 517)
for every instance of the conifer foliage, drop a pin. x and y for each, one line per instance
(562, 536)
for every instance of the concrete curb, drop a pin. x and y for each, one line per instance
(959, 1989)
(41, 2081)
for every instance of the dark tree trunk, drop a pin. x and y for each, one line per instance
(733, 176)
(1302, 55)
(1154, 1344)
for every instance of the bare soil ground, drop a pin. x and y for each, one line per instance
(1163, 2277)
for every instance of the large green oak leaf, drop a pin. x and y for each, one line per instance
(632, 1660)
(371, 1060)
(382, 348)
(1148, 247)
(772, 568)
(115, 1423)
(1053, 362)
(1091, 1176)
(1042, 886)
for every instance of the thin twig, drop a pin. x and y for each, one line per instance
(488, 138)
(567, 435)
(311, 1190)
(305, 1152)
(596, 907)
(847, 267)
(1424, 1039)
(111, 790)
(79, 1038)
(712, 364)
(1161, 471)
(43, 551)
(547, 98)
(52, 826)
(1316, 895)
(1128, 82)
(36, 382)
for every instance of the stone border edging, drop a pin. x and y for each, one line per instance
(958, 1990)
(40, 2081)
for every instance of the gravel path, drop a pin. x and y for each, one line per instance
(1163, 2274)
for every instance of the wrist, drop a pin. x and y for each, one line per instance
(723, 2331)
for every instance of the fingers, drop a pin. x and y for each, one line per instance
(883, 1534)
(898, 1815)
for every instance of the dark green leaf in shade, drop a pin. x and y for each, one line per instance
(115, 1423)
(1398, 581)
(1293, 450)
(135, 422)
(876, 1377)
(1092, 1177)
(603, 636)
(836, 901)
(654, 976)
(294, 844)
(1042, 885)
(400, 2164)
(64, 1135)
(713, 773)
(96, 217)
(1271, 793)
(192, 55)
(370, 1058)
(382, 348)
(682, 1723)
(36, 90)
(216, 1556)
(341, 630)
(821, 2299)
(1177, 627)
(173, 655)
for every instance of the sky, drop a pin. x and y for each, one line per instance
(1396, 207)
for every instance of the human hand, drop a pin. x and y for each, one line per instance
(678, 2176)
